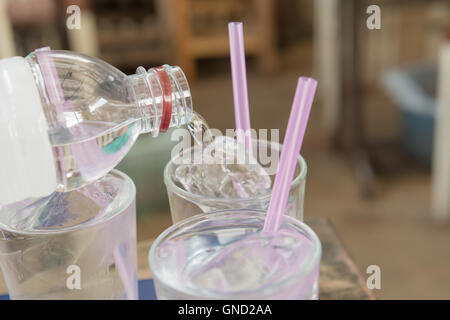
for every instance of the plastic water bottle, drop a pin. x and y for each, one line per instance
(66, 119)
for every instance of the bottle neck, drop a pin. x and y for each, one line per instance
(163, 97)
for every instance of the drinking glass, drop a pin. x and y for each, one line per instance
(75, 245)
(184, 204)
(224, 255)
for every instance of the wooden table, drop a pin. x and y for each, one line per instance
(339, 279)
(339, 276)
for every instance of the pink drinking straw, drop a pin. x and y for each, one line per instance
(239, 77)
(298, 119)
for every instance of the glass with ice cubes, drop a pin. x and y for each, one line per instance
(79, 244)
(223, 175)
(225, 255)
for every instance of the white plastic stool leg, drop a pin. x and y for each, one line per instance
(7, 47)
(440, 196)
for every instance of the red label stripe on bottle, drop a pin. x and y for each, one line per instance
(166, 115)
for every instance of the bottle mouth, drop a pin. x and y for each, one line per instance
(167, 99)
(181, 94)
(172, 104)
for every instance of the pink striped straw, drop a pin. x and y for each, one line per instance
(295, 132)
(239, 77)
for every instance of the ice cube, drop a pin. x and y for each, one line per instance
(227, 171)
(232, 270)
(250, 263)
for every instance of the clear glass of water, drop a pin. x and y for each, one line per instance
(184, 204)
(224, 255)
(75, 245)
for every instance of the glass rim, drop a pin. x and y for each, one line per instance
(92, 222)
(172, 186)
(305, 269)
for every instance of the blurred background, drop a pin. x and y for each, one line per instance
(373, 168)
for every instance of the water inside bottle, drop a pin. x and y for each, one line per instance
(86, 152)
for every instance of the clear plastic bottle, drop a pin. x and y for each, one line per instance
(66, 119)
